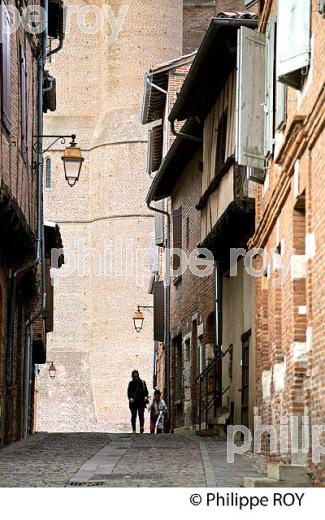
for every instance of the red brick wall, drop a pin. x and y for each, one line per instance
(18, 178)
(281, 324)
(16, 168)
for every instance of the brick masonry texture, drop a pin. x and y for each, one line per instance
(192, 298)
(94, 344)
(198, 14)
(281, 325)
(18, 182)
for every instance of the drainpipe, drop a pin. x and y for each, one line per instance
(167, 288)
(184, 136)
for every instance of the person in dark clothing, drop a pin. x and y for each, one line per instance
(138, 400)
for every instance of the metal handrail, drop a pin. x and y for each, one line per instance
(211, 365)
(207, 405)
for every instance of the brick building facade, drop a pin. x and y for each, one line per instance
(279, 141)
(22, 336)
(290, 222)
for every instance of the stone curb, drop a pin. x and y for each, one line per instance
(208, 469)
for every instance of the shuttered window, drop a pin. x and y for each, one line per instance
(293, 40)
(5, 67)
(23, 100)
(269, 86)
(159, 224)
(159, 311)
(177, 236)
(221, 142)
(250, 120)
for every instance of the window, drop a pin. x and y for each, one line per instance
(5, 67)
(159, 311)
(293, 41)
(48, 173)
(23, 100)
(177, 236)
(221, 142)
(202, 356)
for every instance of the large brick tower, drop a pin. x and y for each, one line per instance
(104, 222)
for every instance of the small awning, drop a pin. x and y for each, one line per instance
(154, 100)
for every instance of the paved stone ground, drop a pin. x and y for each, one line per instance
(231, 474)
(47, 460)
(122, 460)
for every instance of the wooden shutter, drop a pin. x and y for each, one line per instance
(250, 117)
(154, 257)
(221, 142)
(23, 100)
(293, 40)
(5, 67)
(269, 87)
(159, 224)
(159, 311)
(177, 235)
(281, 105)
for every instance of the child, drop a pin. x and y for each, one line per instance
(157, 411)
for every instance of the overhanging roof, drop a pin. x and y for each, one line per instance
(215, 59)
(177, 157)
(154, 100)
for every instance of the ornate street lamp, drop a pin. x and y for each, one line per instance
(52, 371)
(138, 317)
(72, 161)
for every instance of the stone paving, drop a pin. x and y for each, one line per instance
(122, 460)
(47, 460)
(232, 474)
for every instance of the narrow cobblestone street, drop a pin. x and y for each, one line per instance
(122, 460)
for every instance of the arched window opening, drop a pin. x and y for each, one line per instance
(48, 171)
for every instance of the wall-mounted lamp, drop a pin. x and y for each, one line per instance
(138, 317)
(52, 371)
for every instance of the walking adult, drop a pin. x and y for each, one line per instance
(138, 400)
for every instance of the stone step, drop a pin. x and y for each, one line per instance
(296, 472)
(259, 481)
(207, 432)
